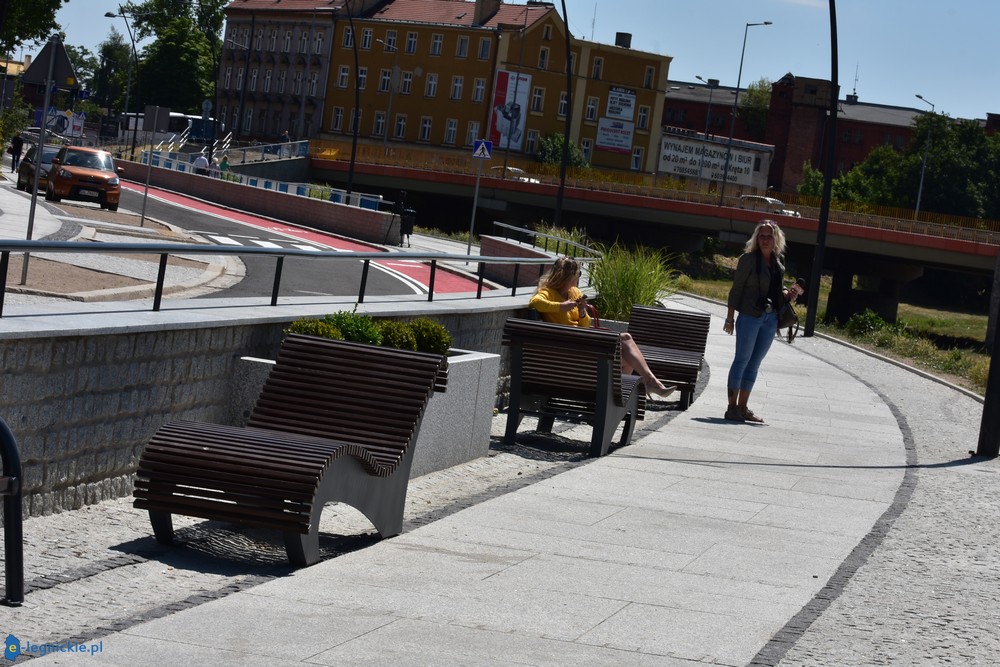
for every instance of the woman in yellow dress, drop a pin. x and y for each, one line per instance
(560, 301)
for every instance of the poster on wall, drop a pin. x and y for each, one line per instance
(64, 123)
(621, 103)
(510, 102)
(614, 136)
(698, 159)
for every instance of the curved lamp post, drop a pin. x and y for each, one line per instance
(923, 165)
(393, 82)
(712, 85)
(357, 98)
(732, 122)
(135, 58)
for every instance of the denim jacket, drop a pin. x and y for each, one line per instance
(751, 282)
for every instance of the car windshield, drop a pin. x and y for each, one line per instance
(89, 160)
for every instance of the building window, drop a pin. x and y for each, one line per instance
(462, 48)
(649, 78)
(431, 87)
(313, 83)
(572, 63)
(384, 80)
(303, 42)
(457, 85)
(451, 131)
(272, 41)
(355, 120)
(348, 38)
(547, 32)
(286, 44)
(344, 76)
(637, 153)
(411, 42)
(425, 128)
(281, 82)
(591, 112)
(407, 83)
(228, 78)
(563, 104)
(543, 58)
(248, 120)
(362, 77)
(479, 90)
(484, 48)
(298, 84)
(531, 145)
(318, 48)
(587, 148)
(400, 132)
(598, 70)
(378, 129)
(239, 78)
(437, 41)
(390, 40)
(537, 99)
(337, 119)
(473, 133)
(643, 119)
(366, 39)
(253, 80)
(258, 38)
(267, 80)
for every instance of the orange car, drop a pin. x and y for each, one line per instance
(85, 174)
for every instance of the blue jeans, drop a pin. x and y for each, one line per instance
(754, 336)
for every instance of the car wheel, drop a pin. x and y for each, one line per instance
(23, 187)
(112, 207)
(50, 194)
(103, 206)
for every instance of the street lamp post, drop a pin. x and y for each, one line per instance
(135, 58)
(712, 85)
(355, 116)
(732, 122)
(393, 80)
(923, 166)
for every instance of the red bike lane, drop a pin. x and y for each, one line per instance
(445, 282)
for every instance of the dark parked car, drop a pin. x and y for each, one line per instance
(85, 174)
(26, 171)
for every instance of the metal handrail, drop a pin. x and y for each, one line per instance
(165, 250)
(13, 518)
(573, 249)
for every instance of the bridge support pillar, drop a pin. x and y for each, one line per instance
(861, 283)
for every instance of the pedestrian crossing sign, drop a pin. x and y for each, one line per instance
(481, 149)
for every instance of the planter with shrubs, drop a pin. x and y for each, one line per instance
(456, 425)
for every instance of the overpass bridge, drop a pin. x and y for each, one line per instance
(887, 251)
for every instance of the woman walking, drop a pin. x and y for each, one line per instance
(756, 294)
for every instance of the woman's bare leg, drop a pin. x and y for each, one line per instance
(634, 362)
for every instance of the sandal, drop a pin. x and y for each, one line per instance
(734, 414)
(749, 416)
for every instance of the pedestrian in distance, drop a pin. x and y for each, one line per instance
(16, 146)
(201, 165)
(214, 169)
(756, 294)
(224, 165)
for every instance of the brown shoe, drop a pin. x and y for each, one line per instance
(734, 414)
(749, 416)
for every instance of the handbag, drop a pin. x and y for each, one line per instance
(788, 319)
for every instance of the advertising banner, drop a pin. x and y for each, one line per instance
(699, 159)
(510, 102)
(621, 103)
(614, 136)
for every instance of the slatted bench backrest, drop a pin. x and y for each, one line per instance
(337, 390)
(666, 327)
(564, 357)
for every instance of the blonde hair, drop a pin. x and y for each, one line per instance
(779, 238)
(563, 271)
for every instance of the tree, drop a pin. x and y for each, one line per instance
(85, 65)
(754, 104)
(112, 77)
(550, 151)
(25, 21)
(176, 70)
(154, 17)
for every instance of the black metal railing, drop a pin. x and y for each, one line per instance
(13, 526)
(165, 250)
(547, 242)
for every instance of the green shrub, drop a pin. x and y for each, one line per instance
(310, 327)
(397, 334)
(625, 277)
(356, 327)
(431, 336)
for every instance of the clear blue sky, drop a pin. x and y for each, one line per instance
(946, 51)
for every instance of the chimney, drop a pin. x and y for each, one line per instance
(852, 98)
(27, 60)
(485, 10)
(623, 39)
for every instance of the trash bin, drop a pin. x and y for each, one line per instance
(406, 221)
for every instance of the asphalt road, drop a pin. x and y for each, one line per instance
(299, 277)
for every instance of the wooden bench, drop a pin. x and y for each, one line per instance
(673, 343)
(335, 422)
(571, 374)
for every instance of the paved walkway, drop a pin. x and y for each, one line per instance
(852, 529)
